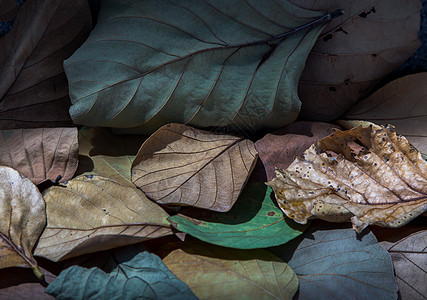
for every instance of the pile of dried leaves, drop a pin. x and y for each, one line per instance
(178, 212)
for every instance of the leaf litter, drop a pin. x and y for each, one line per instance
(367, 174)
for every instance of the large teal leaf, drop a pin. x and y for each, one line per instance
(130, 273)
(202, 63)
(253, 222)
(340, 264)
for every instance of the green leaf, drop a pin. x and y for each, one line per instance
(103, 153)
(214, 272)
(131, 273)
(253, 222)
(341, 263)
(210, 63)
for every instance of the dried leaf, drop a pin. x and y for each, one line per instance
(253, 222)
(214, 63)
(22, 220)
(355, 52)
(20, 283)
(401, 103)
(105, 154)
(182, 165)
(279, 148)
(8, 10)
(33, 86)
(408, 251)
(339, 264)
(382, 180)
(130, 273)
(92, 213)
(214, 272)
(40, 154)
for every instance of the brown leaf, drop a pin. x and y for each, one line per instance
(408, 251)
(279, 148)
(401, 103)
(182, 165)
(8, 10)
(370, 175)
(40, 154)
(33, 86)
(19, 283)
(355, 51)
(22, 218)
(92, 213)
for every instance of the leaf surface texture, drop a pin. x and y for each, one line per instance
(182, 165)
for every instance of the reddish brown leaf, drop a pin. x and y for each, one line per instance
(355, 51)
(279, 148)
(40, 154)
(33, 86)
(19, 283)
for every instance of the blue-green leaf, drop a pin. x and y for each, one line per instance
(202, 63)
(340, 264)
(131, 273)
(253, 222)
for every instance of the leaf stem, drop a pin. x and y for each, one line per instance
(325, 18)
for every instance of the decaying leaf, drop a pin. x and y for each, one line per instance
(368, 174)
(210, 63)
(408, 250)
(279, 148)
(339, 264)
(22, 218)
(182, 165)
(402, 103)
(92, 213)
(40, 154)
(20, 283)
(253, 222)
(355, 52)
(214, 272)
(105, 154)
(8, 10)
(129, 273)
(33, 86)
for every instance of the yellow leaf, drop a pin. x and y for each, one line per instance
(367, 174)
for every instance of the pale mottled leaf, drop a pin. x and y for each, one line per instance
(92, 213)
(214, 272)
(22, 218)
(339, 264)
(182, 165)
(368, 174)
(40, 154)
(210, 63)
